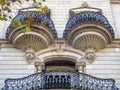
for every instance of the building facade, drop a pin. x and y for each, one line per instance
(77, 47)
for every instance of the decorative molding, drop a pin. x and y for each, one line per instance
(89, 39)
(115, 43)
(4, 41)
(29, 55)
(84, 7)
(37, 42)
(115, 1)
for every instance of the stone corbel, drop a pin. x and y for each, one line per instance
(90, 55)
(59, 45)
(29, 55)
(40, 66)
(80, 66)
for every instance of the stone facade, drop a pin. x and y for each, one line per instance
(107, 60)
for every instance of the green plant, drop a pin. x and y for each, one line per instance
(5, 7)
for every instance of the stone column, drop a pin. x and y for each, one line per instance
(40, 66)
(81, 66)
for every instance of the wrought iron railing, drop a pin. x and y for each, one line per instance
(87, 16)
(37, 17)
(59, 79)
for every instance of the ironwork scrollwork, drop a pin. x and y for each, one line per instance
(60, 79)
(37, 17)
(87, 16)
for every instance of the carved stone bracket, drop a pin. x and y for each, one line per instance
(90, 55)
(80, 66)
(40, 66)
(60, 45)
(29, 55)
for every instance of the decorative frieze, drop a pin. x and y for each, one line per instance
(90, 56)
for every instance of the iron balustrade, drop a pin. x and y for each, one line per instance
(87, 16)
(37, 17)
(59, 79)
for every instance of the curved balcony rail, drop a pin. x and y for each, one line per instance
(59, 80)
(85, 17)
(37, 17)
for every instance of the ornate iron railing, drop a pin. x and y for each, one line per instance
(87, 16)
(37, 17)
(59, 79)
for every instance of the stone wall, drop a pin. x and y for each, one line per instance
(106, 65)
(116, 18)
(12, 64)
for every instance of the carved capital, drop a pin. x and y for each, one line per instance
(40, 66)
(80, 66)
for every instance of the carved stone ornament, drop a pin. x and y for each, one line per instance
(29, 56)
(90, 56)
(40, 66)
(80, 66)
(85, 4)
(59, 46)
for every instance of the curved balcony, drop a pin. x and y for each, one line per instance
(88, 31)
(59, 80)
(37, 19)
(88, 17)
(40, 36)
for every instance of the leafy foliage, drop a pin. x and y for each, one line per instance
(5, 7)
(16, 23)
